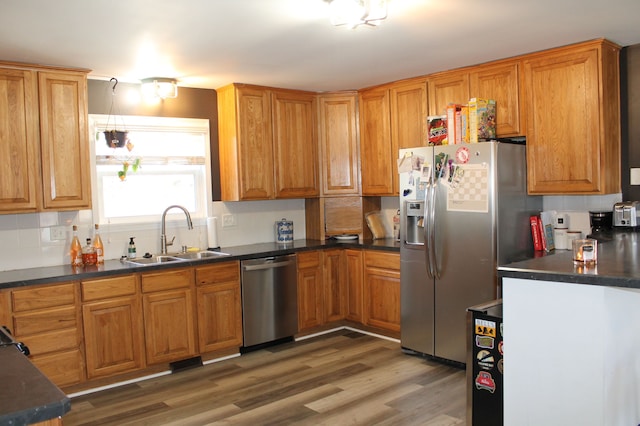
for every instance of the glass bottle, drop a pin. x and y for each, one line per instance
(98, 246)
(75, 252)
(89, 256)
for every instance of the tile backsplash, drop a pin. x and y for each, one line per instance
(27, 241)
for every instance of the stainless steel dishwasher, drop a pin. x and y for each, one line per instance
(269, 299)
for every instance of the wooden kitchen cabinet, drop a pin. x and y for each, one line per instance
(113, 331)
(573, 119)
(338, 141)
(47, 319)
(219, 306)
(501, 82)
(43, 139)
(169, 315)
(335, 284)
(267, 143)
(310, 290)
(450, 87)
(376, 157)
(295, 143)
(382, 290)
(392, 116)
(355, 285)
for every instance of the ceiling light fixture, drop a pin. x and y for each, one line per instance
(159, 87)
(353, 13)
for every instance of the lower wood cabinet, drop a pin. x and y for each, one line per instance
(355, 281)
(219, 306)
(334, 285)
(112, 319)
(47, 319)
(169, 315)
(310, 293)
(382, 289)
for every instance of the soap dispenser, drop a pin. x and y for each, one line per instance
(131, 253)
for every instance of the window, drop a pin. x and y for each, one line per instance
(173, 155)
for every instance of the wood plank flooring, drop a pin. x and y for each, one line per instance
(341, 378)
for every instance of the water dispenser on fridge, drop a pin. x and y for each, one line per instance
(414, 221)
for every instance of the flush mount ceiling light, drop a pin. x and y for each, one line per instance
(159, 87)
(353, 13)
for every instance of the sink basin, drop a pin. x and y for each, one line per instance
(154, 260)
(204, 254)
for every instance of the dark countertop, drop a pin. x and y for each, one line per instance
(618, 265)
(26, 395)
(52, 274)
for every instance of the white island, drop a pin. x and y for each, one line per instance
(572, 339)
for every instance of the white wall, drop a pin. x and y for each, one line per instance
(26, 241)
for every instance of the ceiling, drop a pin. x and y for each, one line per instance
(290, 43)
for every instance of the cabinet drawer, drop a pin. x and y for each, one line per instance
(219, 273)
(109, 288)
(43, 297)
(54, 341)
(51, 319)
(65, 368)
(308, 259)
(380, 259)
(167, 280)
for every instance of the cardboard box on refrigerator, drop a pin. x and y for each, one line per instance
(482, 119)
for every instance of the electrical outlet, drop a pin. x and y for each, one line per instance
(228, 220)
(634, 176)
(57, 233)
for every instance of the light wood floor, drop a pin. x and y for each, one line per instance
(341, 378)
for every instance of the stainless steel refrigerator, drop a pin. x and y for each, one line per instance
(464, 210)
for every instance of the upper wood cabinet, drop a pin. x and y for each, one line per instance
(338, 140)
(501, 82)
(573, 119)
(295, 145)
(451, 87)
(391, 117)
(267, 143)
(43, 139)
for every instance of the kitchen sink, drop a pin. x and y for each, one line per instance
(154, 260)
(204, 254)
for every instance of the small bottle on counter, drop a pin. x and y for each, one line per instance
(131, 252)
(89, 256)
(75, 252)
(98, 246)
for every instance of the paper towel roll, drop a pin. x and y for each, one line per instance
(212, 232)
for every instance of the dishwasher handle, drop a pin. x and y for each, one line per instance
(261, 266)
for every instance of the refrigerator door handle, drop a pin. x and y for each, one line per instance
(432, 237)
(427, 230)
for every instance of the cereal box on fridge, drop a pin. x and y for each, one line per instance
(437, 130)
(482, 119)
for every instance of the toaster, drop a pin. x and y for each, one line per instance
(626, 214)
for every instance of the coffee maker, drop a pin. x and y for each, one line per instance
(601, 225)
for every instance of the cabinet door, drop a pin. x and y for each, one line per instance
(19, 148)
(245, 143)
(447, 88)
(354, 285)
(335, 289)
(377, 160)
(570, 147)
(113, 336)
(310, 294)
(295, 144)
(64, 141)
(338, 139)
(408, 119)
(382, 290)
(169, 325)
(500, 83)
(219, 306)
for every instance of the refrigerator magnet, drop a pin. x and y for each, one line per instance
(462, 155)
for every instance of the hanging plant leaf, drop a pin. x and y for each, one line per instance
(122, 175)
(136, 165)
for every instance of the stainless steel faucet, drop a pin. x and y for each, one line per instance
(163, 236)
